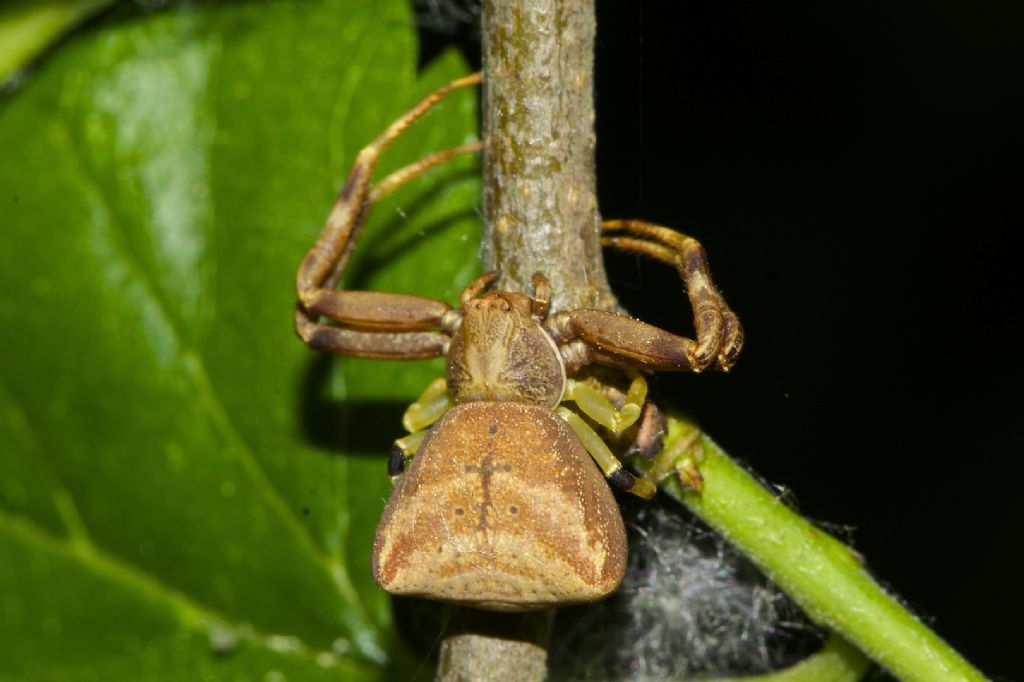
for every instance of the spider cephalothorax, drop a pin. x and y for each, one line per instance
(500, 351)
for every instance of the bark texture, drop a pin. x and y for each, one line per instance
(487, 646)
(539, 180)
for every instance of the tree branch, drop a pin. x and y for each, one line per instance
(539, 185)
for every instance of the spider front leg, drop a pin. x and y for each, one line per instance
(605, 338)
(611, 339)
(371, 324)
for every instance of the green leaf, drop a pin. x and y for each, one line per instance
(185, 489)
(27, 27)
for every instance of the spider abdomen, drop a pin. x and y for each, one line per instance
(501, 508)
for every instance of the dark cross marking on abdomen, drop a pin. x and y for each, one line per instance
(487, 469)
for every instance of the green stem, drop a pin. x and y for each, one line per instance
(822, 575)
(27, 28)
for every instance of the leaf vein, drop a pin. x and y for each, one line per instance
(189, 613)
(63, 503)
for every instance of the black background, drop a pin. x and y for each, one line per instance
(853, 170)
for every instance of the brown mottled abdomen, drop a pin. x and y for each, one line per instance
(501, 508)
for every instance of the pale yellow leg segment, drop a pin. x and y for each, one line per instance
(410, 445)
(428, 408)
(681, 456)
(598, 449)
(596, 406)
(418, 418)
(404, 447)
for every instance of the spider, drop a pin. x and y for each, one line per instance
(500, 506)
